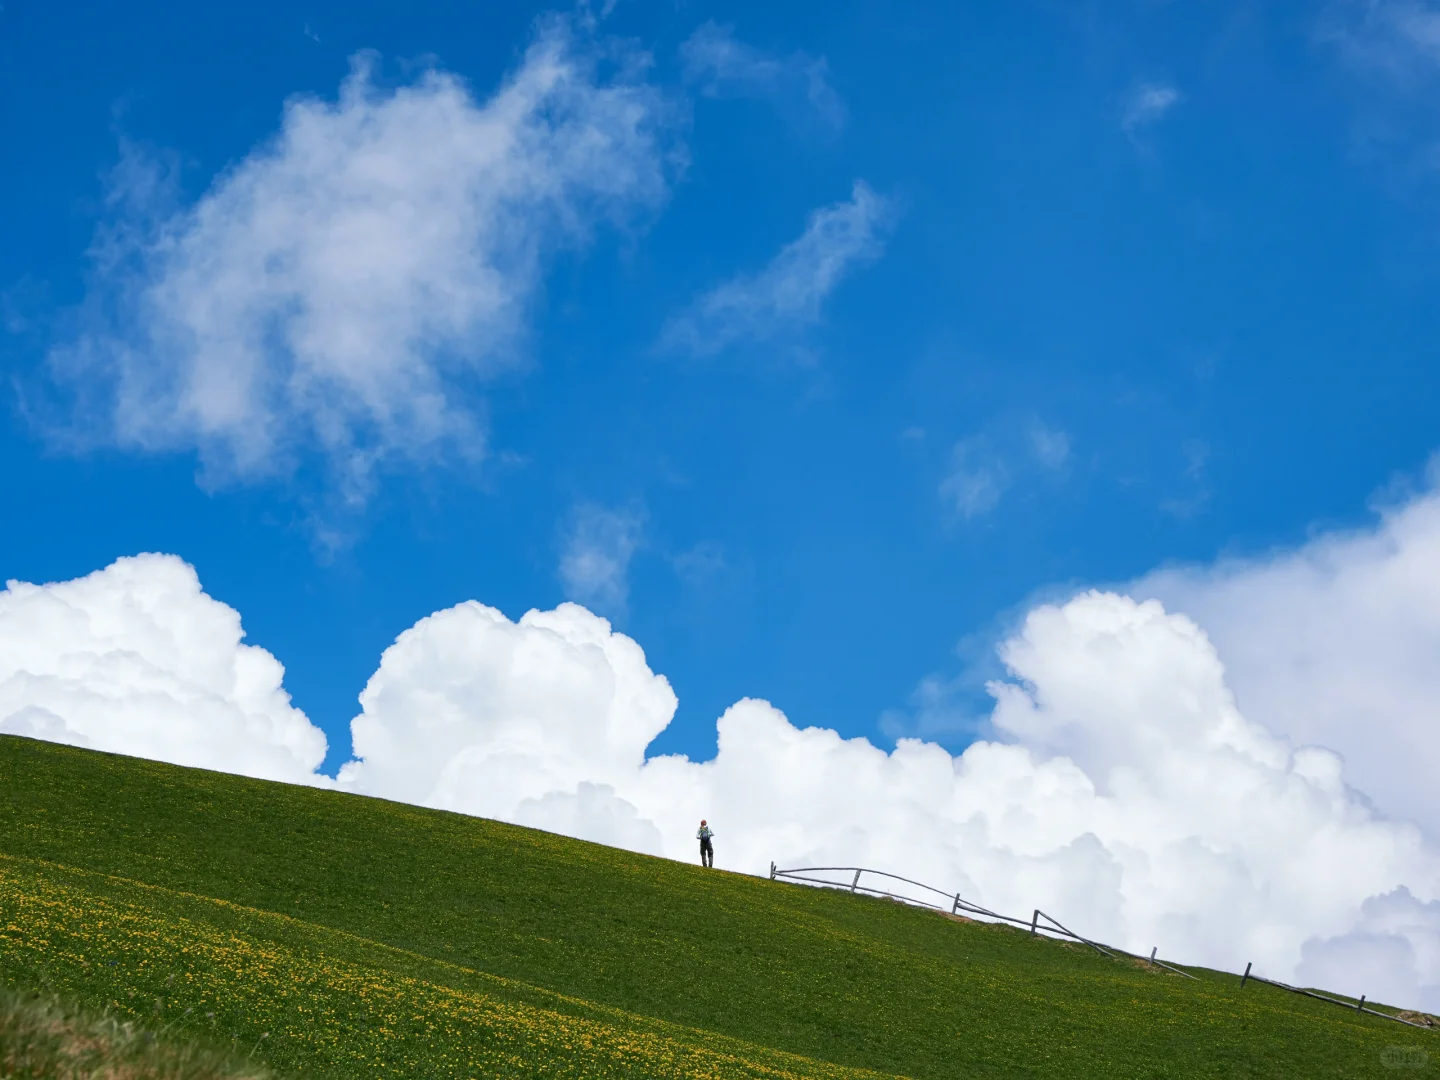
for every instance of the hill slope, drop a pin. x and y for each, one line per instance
(349, 937)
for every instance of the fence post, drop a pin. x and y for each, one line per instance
(955, 907)
(1362, 1003)
(856, 881)
(1034, 920)
(1152, 955)
(1247, 973)
(772, 871)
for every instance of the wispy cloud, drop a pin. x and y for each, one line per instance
(599, 543)
(976, 478)
(1051, 445)
(1197, 455)
(341, 292)
(789, 294)
(941, 709)
(702, 565)
(983, 467)
(1399, 37)
(1146, 104)
(720, 65)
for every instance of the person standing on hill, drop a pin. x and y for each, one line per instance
(707, 850)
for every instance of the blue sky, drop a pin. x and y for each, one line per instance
(1120, 286)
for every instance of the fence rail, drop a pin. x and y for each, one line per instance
(954, 904)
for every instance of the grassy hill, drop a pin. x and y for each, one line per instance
(339, 936)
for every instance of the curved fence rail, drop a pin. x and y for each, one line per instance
(1038, 923)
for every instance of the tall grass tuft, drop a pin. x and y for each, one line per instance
(49, 1039)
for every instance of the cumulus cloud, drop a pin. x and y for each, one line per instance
(720, 65)
(1123, 788)
(541, 721)
(137, 659)
(789, 294)
(1146, 105)
(595, 563)
(1335, 643)
(344, 288)
(1395, 944)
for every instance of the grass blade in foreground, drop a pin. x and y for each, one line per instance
(46, 1039)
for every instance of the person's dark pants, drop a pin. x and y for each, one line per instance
(707, 853)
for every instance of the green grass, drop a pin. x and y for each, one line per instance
(47, 1039)
(362, 937)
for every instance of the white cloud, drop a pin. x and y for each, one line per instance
(1124, 789)
(539, 721)
(344, 287)
(1146, 104)
(137, 659)
(1395, 944)
(722, 66)
(595, 562)
(1335, 643)
(976, 478)
(789, 294)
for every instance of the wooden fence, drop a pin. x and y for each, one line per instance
(1038, 923)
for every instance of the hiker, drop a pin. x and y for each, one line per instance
(707, 850)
